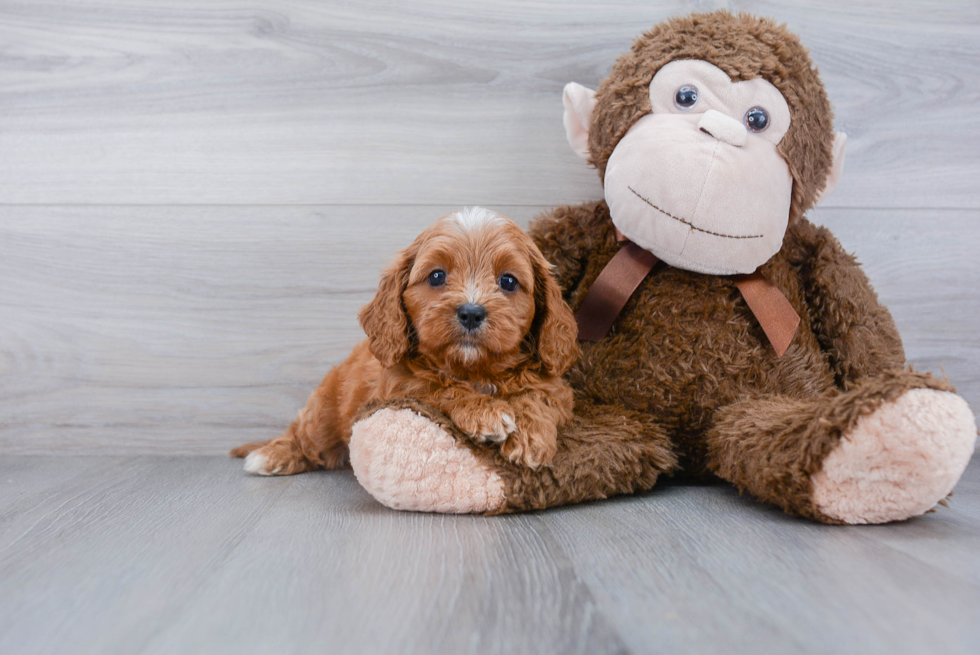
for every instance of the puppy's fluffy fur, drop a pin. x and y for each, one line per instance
(499, 381)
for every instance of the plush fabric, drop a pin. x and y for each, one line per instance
(836, 429)
(422, 470)
(720, 210)
(883, 471)
(403, 455)
(713, 399)
(579, 102)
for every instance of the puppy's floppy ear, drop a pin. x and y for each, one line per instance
(554, 328)
(384, 319)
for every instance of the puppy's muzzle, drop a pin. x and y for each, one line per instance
(471, 315)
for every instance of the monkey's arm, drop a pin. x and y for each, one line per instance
(852, 326)
(569, 236)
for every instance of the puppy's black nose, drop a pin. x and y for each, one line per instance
(471, 315)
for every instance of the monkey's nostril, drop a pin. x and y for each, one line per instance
(471, 315)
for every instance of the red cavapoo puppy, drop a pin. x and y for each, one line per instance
(467, 319)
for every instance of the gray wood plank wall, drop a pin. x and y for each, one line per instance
(195, 198)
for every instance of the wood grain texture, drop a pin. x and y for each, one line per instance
(195, 200)
(191, 555)
(191, 330)
(441, 102)
(757, 580)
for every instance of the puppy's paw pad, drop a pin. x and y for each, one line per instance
(492, 437)
(258, 463)
(492, 426)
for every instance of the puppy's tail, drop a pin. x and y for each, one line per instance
(242, 451)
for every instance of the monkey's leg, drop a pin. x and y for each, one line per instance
(889, 448)
(411, 457)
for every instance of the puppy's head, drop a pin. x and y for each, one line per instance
(472, 294)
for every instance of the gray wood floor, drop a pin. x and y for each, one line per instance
(195, 199)
(157, 554)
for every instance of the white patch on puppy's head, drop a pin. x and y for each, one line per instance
(472, 218)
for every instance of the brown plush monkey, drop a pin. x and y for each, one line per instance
(713, 137)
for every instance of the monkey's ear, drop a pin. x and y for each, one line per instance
(556, 332)
(384, 319)
(579, 102)
(836, 168)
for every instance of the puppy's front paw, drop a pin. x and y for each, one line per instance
(489, 424)
(533, 445)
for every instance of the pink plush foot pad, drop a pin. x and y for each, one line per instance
(407, 462)
(899, 461)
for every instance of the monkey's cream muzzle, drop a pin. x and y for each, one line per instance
(696, 201)
(695, 185)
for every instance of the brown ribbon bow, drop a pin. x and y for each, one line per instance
(628, 267)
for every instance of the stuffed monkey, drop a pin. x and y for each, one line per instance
(724, 334)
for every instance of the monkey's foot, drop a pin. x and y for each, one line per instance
(408, 462)
(899, 461)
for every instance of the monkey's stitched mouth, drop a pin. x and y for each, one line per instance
(689, 223)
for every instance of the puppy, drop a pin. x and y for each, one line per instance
(467, 319)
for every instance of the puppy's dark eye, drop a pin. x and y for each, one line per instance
(437, 278)
(508, 282)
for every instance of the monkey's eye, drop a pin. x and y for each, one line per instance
(437, 278)
(686, 97)
(757, 119)
(508, 282)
